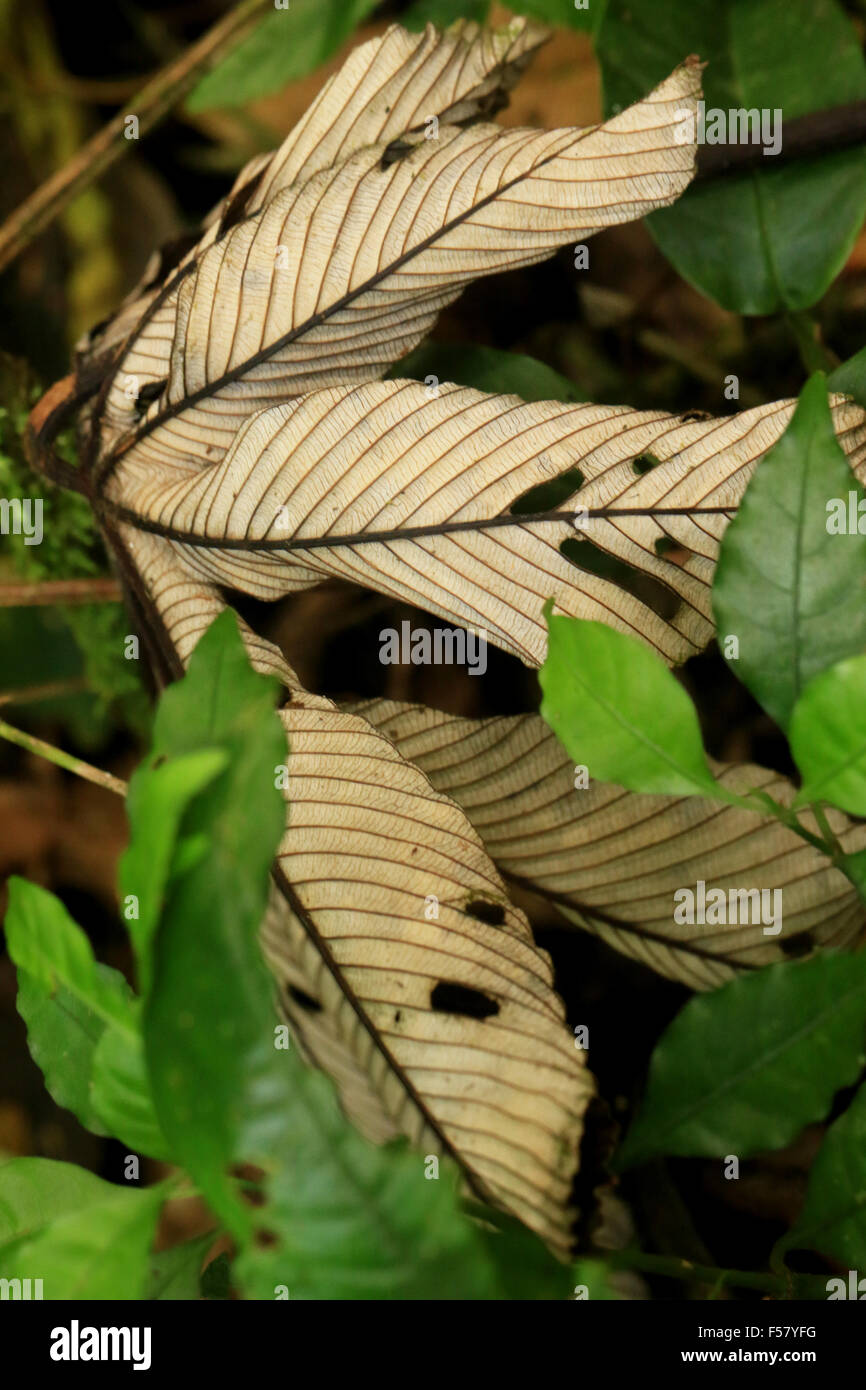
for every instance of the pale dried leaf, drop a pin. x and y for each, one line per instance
(611, 860)
(341, 273)
(410, 494)
(369, 845)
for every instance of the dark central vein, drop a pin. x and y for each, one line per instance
(397, 533)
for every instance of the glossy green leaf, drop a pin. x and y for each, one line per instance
(744, 1068)
(828, 737)
(285, 45)
(619, 711)
(792, 591)
(833, 1219)
(775, 238)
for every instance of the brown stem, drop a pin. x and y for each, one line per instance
(820, 132)
(98, 590)
(152, 103)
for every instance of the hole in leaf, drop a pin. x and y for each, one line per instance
(644, 463)
(450, 998)
(794, 947)
(590, 557)
(149, 393)
(304, 1000)
(491, 913)
(547, 496)
(663, 545)
(695, 415)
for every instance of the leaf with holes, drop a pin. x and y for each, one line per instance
(236, 434)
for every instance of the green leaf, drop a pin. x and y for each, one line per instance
(92, 1244)
(443, 12)
(120, 1094)
(174, 1274)
(833, 1219)
(744, 1068)
(82, 1021)
(155, 805)
(349, 1220)
(486, 369)
(209, 1019)
(34, 1192)
(62, 1035)
(286, 44)
(587, 15)
(618, 711)
(850, 378)
(775, 238)
(828, 737)
(793, 593)
(44, 941)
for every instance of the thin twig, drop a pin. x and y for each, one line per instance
(152, 103)
(101, 589)
(61, 759)
(28, 693)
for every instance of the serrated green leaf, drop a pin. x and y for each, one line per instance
(744, 1068)
(791, 592)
